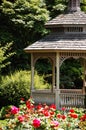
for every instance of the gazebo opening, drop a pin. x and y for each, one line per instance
(43, 66)
(71, 75)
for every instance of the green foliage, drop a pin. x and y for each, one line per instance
(66, 82)
(71, 74)
(85, 101)
(3, 123)
(5, 35)
(5, 56)
(17, 85)
(14, 86)
(56, 6)
(22, 21)
(43, 66)
(59, 6)
(83, 7)
(26, 14)
(4, 111)
(40, 82)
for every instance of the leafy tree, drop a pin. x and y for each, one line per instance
(83, 7)
(56, 6)
(5, 56)
(28, 16)
(24, 20)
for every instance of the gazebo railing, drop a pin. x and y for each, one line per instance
(68, 97)
(75, 91)
(69, 100)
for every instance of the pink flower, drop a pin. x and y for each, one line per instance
(36, 123)
(63, 108)
(54, 123)
(21, 118)
(14, 110)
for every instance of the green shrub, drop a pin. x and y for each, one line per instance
(14, 87)
(17, 85)
(39, 82)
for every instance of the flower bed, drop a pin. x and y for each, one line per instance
(43, 117)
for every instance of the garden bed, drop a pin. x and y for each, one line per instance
(42, 117)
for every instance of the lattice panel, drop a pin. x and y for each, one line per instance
(66, 55)
(73, 54)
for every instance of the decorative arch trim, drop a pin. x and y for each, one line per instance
(66, 55)
(50, 56)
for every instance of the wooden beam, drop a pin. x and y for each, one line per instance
(57, 92)
(32, 72)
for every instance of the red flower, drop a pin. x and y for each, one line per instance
(63, 117)
(39, 106)
(29, 105)
(14, 110)
(74, 115)
(36, 123)
(59, 116)
(71, 110)
(21, 118)
(22, 99)
(53, 107)
(83, 118)
(52, 112)
(46, 113)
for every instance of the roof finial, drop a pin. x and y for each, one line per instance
(74, 5)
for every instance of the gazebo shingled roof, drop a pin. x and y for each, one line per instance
(69, 18)
(58, 42)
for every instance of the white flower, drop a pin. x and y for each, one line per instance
(60, 129)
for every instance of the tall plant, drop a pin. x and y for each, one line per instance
(5, 55)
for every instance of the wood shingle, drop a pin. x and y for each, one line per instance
(57, 42)
(71, 18)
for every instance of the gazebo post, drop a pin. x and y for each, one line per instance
(84, 84)
(57, 92)
(32, 72)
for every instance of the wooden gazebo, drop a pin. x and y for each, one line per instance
(67, 39)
